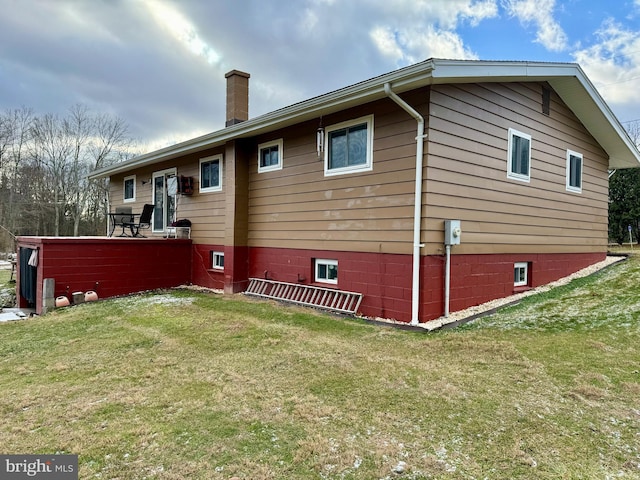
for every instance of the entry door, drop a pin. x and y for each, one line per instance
(164, 200)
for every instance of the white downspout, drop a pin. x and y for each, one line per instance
(417, 210)
(447, 280)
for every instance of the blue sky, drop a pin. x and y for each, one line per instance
(160, 64)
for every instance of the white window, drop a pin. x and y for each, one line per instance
(521, 274)
(217, 260)
(349, 147)
(270, 156)
(130, 188)
(211, 174)
(519, 156)
(326, 271)
(574, 171)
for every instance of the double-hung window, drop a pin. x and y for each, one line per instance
(326, 271)
(130, 188)
(270, 156)
(211, 174)
(519, 156)
(574, 171)
(349, 147)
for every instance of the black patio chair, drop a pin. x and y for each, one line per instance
(143, 222)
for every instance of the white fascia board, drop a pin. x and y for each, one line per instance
(466, 71)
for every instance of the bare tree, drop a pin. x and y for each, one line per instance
(111, 144)
(14, 135)
(633, 129)
(44, 164)
(52, 147)
(79, 128)
(21, 121)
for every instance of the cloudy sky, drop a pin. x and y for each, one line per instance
(160, 64)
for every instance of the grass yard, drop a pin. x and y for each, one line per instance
(193, 385)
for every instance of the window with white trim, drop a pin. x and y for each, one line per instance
(349, 147)
(326, 271)
(217, 260)
(211, 174)
(521, 274)
(574, 171)
(270, 156)
(130, 188)
(519, 156)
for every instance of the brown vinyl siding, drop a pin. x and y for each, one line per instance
(467, 173)
(205, 210)
(298, 207)
(465, 178)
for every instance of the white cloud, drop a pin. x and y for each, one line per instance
(447, 14)
(430, 32)
(613, 64)
(181, 29)
(416, 44)
(386, 42)
(540, 13)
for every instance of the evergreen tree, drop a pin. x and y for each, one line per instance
(624, 205)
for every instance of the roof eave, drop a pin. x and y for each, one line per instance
(567, 79)
(591, 109)
(403, 80)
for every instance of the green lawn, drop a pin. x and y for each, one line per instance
(193, 385)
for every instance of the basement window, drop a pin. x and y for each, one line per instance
(326, 271)
(521, 274)
(217, 260)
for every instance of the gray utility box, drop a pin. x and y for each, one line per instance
(452, 232)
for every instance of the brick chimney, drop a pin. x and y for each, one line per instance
(237, 97)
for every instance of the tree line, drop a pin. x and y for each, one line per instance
(624, 197)
(44, 163)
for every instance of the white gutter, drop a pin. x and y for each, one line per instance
(417, 208)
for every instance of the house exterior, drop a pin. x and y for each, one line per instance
(352, 189)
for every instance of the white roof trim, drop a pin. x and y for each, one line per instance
(567, 79)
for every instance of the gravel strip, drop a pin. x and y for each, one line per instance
(461, 316)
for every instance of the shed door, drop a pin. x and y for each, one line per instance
(28, 277)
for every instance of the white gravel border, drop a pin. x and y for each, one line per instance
(486, 307)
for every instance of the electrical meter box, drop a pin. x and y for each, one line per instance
(452, 232)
